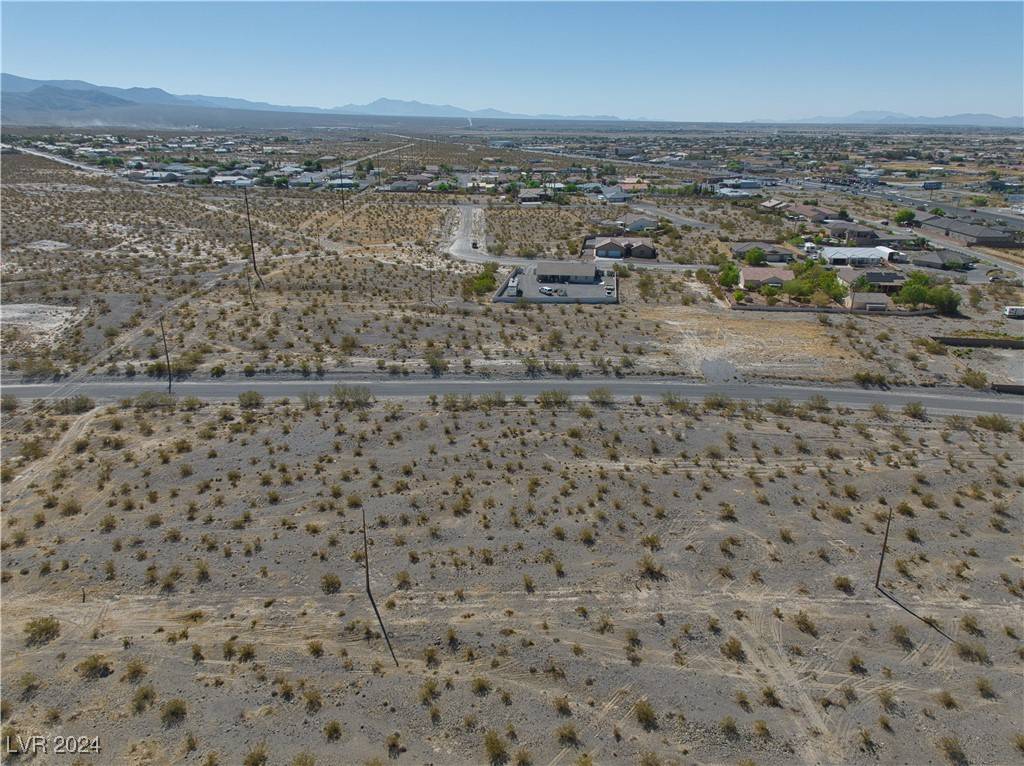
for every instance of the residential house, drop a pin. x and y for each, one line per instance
(852, 234)
(343, 183)
(630, 223)
(615, 194)
(772, 253)
(619, 247)
(728, 191)
(810, 213)
(633, 184)
(308, 179)
(741, 183)
(533, 196)
(886, 281)
(854, 256)
(754, 277)
(941, 259)
(403, 186)
(967, 233)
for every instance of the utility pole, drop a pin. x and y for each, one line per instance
(252, 243)
(167, 354)
(248, 285)
(366, 567)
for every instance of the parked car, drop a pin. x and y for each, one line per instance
(475, 245)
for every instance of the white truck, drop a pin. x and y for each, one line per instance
(1014, 312)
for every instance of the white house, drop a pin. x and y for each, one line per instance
(855, 256)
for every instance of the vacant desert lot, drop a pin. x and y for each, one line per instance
(630, 582)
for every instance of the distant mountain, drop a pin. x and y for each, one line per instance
(896, 118)
(47, 98)
(31, 97)
(64, 102)
(395, 108)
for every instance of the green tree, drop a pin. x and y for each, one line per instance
(755, 257)
(728, 275)
(904, 217)
(944, 298)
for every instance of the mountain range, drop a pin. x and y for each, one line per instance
(27, 95)
(26, 101)
(898, 118)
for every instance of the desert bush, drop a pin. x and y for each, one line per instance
(41, 630)
(330, 584)
(173, 712)
(733, 649)
(495, 747)
(93, 667)
(645, 715)
(250, 400)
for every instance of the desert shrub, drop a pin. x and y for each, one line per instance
(553, 399)
(645, 715)
(74, 405)
(257, 756)
(250, 400)
(173, 712)
(94, 666)
(41, 630)
(953, 750)
(567, 735)
(495, 747)
(805, 624)
(330, 583)
(143, 698)
(733, 649)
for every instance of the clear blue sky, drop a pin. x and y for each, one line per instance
(681, 61)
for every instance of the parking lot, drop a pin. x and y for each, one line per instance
(523, 285)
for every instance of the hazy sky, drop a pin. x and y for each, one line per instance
(681, 61)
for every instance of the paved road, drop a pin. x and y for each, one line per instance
(937, 400)
(62, 160)
(679, 220)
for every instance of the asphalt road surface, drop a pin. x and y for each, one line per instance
(649, 208)
(936, 400)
